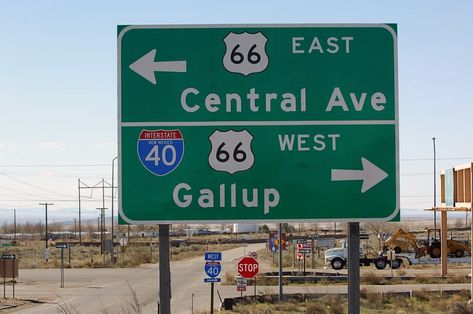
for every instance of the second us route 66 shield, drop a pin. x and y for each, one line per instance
(231, 151)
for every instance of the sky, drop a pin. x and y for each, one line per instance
(58, 89)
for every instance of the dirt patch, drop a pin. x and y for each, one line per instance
(15, 305)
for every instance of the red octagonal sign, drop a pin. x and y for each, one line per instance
(248, 267)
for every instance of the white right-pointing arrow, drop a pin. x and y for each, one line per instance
(371, 175)
(146, 66)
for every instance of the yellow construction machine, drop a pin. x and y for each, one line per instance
(454, 247)
(402, 241)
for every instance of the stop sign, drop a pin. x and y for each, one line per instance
(248, 267)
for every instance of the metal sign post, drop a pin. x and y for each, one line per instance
(212, 269)
(211, 298)
(353, 268)
(164, 271)
(280, 267)
(62, 267)
(13, 277)
(4, 279)
(10, 257)
(62, 246)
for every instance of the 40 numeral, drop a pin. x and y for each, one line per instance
(157, 156)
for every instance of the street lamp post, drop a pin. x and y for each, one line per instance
(113, 201)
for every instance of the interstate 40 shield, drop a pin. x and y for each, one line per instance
(160, 151)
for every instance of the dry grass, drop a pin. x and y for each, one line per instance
(271, 259)
(436, 280)
(65, 308)
(133, 303)
(189, 251)
(422, 302)
(30, 254)
(372, 278)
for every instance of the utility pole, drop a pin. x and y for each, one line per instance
(435, 191)
(46, 215)
(103, 192)
(99, 185)
(75, 228)
(102, 215)
(14, 225)
(113, 201)
(102, 227)
(80, 229)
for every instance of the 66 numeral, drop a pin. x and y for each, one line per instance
(237, 57)
(238, 154)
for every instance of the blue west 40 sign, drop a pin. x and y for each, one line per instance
(237, 123)
(213, 256)
(212, 269)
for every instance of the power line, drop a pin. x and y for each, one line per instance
(19, 192)
(51, 165)
(33, 186)
(55, 175)
(431, 159)
(49, 200)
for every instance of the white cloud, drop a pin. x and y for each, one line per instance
(104, 144)
(8, 146)
(55, 145)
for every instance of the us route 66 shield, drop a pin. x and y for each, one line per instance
(245, 53)
(231, 151)
(160, 151)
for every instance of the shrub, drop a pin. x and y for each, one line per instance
(315, 308)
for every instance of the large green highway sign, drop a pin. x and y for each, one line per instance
(234, 123)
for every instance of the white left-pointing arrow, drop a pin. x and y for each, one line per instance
(371, 175)
(146, 66)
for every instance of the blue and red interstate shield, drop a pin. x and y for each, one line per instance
(160, 151)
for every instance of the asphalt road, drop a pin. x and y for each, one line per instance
(111, 290)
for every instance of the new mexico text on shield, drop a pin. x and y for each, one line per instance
(280, 123)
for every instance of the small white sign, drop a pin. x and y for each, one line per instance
(241, 282)
(123, 241)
